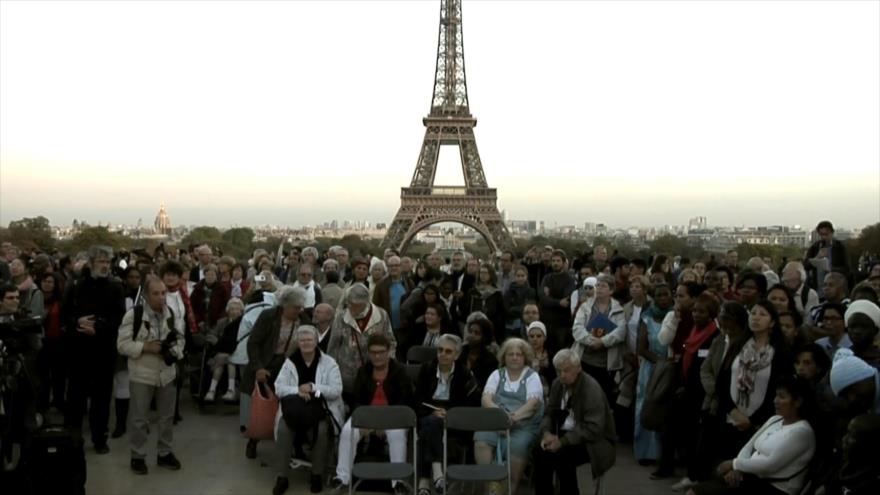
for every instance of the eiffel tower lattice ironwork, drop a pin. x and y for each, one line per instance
(449, 123)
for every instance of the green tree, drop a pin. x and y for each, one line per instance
(201, 235)
(867, 242)
(239, 236)
(91, 236)
(28, 233)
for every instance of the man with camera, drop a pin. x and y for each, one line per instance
(153, 346)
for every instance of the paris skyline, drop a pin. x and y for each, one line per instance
(628, 113)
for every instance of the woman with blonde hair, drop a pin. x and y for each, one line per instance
(515, 388)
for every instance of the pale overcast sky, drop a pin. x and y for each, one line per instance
(628, 113)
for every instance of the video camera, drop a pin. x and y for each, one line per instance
(167, 346)
(20, 334)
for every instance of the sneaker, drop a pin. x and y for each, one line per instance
(316, 484)
(102, 448)
(251, 450)
(139, 466)
(299, 459)
(209, 397)
(439, 486)
(168, 461)
(683, 484)
(229, 396)
(400, 489)
(281, 485)
(337, 485)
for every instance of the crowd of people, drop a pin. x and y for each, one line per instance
(745, 378)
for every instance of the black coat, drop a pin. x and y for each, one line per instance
(839, 260)
(262, 343)
(398, 387)
(102, 297)
(463, 389)
(484, 366)
(515, 298)
(417, 335)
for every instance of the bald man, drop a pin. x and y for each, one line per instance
(323, 320)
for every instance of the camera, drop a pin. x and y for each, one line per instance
(259, 278)
(167, 349)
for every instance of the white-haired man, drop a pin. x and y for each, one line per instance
(91, 313)
(794, 276)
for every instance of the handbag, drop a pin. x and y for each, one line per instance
(263, 411)
(659, 395)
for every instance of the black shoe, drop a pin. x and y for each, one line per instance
(337, 485)
(177, 418)
(251, 450)
(139, 466)
(102, 448)
(281, 485)
(400, 489)
(661, 474)
(168, 461)
(118, 431)
(316, 484)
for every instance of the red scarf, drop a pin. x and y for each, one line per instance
(693, 344)
(362, 323)
(190, 318)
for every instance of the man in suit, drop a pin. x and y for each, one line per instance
(205, 256)
(824, 256)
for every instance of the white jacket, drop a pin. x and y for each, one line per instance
(613, 341)
(328, 384)
(147, 369)
(251, 313)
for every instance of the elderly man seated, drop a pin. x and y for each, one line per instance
(441, 385)
(577, 428)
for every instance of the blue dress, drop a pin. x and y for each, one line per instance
(646, 443)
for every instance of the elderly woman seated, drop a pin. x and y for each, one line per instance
(440, 385)
(515, 388)
(309, 386)
(578, 428)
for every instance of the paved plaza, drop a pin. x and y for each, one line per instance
(212, 453)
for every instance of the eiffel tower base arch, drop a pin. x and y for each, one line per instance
(423, 207)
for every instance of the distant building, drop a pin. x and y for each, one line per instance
(162, 225)
(698, 223)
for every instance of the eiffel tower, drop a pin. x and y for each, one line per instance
(449, 123)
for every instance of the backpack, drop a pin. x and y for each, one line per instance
(229, 341)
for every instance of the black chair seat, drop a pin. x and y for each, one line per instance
(382, 470)
(483, 472)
